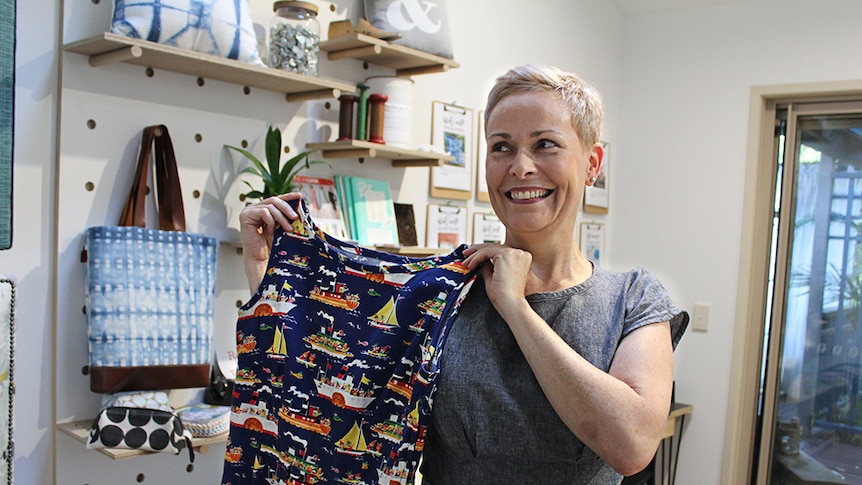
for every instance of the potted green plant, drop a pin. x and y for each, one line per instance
(277, 177)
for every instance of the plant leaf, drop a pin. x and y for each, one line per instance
(255, 194)
(290, 166)
(258, 168)
(273, 151)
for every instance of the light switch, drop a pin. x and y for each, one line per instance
(700, 317)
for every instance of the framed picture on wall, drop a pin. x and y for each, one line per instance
(596, 196)
(487, 228)
(592, 241)
(447, 226)
(452, 131)
(481, 149)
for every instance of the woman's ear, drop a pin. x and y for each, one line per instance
(594, 162)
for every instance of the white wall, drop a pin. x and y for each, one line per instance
(680, 163)
(31, 258)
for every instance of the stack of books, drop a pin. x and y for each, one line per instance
(321, 198)
(368, 210)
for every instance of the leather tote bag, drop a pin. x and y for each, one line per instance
(150, 292)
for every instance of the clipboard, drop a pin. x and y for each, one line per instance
(481, 150)
(446, 226)
(452, 131)
(592, 241)
(487, 228)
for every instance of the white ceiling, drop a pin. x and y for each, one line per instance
(634, 7)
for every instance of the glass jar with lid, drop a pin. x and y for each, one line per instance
(294, 37)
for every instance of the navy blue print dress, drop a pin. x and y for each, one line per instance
(337, 362)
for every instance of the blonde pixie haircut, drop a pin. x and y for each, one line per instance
(583, 100)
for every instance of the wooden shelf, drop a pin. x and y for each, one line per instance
(412, 251)
(80, 430)
(677, 410)
(108, 48)
(401, 157)
(405, 61)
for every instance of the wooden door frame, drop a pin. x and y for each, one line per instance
(755, 245)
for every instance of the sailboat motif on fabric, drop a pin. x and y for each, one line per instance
(385, 317)
(352, 443)
(278, 349)
(418, 326)
(413, 418)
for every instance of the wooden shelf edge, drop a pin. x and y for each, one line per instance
(405, 60)
(80, 431)
(400, 157)
(679, 409)
(414, 251)
(107, 48)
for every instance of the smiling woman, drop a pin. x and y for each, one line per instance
(542, 342)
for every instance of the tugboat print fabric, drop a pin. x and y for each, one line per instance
(337, 362)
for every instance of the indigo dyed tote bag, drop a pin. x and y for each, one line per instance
(337, 356)
(150, 293)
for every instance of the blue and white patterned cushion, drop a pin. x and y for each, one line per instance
(219, 27)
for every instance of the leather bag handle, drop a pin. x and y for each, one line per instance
(169, 202)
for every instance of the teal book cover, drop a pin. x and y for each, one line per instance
(346, 200)
(373, 212)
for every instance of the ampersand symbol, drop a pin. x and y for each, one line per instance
(404, 15)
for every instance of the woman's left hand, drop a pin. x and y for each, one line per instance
(505, 272)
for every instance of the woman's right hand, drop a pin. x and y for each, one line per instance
(258, 223)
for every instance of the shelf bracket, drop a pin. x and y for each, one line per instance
(415, 71)
(312, 95)
(356, 52)
(119, 55)
(426, 162)
(355, 153)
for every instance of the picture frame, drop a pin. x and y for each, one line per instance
(452, 131)
(446, 226)
(592, 241)
(487, 228)
(481, 150)
(597, 196)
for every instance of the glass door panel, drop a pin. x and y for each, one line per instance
(816, 425)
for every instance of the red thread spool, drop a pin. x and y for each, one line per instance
(377, 102)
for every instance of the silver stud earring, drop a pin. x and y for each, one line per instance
(592, 180)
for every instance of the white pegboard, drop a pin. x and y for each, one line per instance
(103, 111)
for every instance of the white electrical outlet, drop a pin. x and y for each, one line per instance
(700, 317)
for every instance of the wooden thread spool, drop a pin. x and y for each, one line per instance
(345, 117)
(375, 128)
(361, 111)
